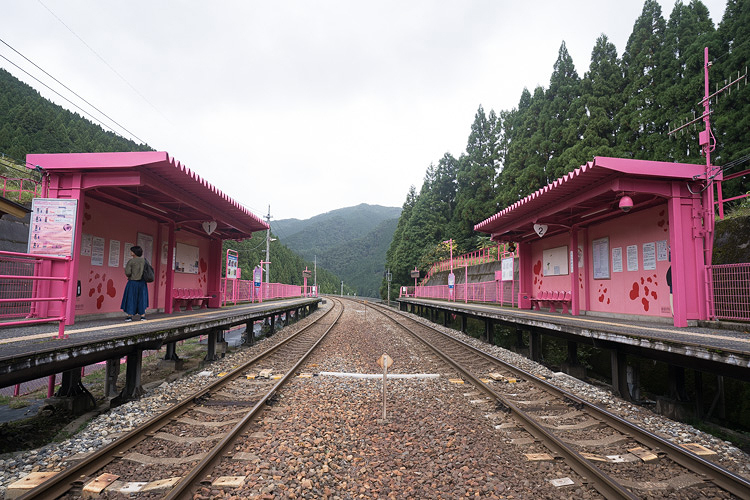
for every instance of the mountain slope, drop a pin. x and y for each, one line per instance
(350, 242)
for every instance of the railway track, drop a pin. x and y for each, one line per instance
(617, 458)
(168, 451)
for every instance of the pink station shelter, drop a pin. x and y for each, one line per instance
(628, 221)
(149, 199)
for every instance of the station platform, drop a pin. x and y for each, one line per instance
(33, 351)
(713, 347)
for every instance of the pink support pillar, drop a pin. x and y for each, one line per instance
(525, 272)
(158, 267)
(214, 273)
(586, 273)
(677, 228)
(575, 306)
(168, 299)
(72, 189)
(698, 269)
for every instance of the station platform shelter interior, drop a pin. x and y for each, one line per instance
(147, 199)
(609, 232)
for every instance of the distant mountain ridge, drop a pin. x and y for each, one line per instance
(350, 242)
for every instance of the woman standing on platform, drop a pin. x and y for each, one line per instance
(135, 298)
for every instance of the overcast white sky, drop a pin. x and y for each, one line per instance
(305, 105)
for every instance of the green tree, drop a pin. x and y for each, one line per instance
(475, 194)
(528, 150)
(680, 87)
(562, 117)
(642, 124)
(731, 119)
(398, 258)
(603, 87)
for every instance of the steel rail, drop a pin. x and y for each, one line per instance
(601, 481)
(183, 488)
(723, 478)
(62, 482)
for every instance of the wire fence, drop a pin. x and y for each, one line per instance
(731, 291)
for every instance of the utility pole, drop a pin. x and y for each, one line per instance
(268, 245)
(342, 288)
(315, 275)
(388, 277)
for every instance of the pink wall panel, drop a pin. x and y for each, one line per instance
(642, 292)
(540, 282)
(102, 286)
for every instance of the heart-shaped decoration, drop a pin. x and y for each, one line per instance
(540, 229)
(209, 226)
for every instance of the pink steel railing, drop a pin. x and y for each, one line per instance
(26, 291)
(236, 291)
(500, 292)
(731, 291)
(481, 256)
(11, 185)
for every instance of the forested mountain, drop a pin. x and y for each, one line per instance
(286, 266)
(30, 123)
(351, 242)
(622, 106)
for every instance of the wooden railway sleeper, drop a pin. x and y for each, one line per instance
(725, 479)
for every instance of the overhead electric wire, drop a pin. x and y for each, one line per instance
(26, 164)
(734, 163)
(104, 61)
(62, 96)
(71, 91)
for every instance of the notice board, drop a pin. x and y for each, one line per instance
(186, 258)
(556, 261)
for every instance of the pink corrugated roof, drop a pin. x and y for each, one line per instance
(583, 189)
(174, 185)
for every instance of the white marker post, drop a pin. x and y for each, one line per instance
(385, 361)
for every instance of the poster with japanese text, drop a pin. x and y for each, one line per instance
(86, 244)
(97, 251)
(114, 253)
(146, 242)
(649, 256)
(52, 226)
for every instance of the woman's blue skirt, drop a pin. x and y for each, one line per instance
(135, 298)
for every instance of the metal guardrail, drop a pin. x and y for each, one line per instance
(236, 291)
(499, 292)
(731, 291)
(26, 291)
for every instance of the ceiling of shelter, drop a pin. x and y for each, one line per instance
(168, 200)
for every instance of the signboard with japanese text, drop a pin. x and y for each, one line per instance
(507, 269)
(600, 257)
(52, 226)
(257, 275)
(232, 262)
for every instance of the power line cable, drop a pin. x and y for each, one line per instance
(734, 163)
(28, 165)
(104, 61)
(63, 97)
(72, 91)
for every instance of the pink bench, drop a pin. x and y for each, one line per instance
(552, 299)
(188, 297)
